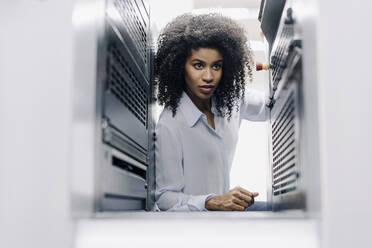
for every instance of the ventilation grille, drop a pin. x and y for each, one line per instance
(123, 83)
(132, 20)
(278, 60)
(284, 149)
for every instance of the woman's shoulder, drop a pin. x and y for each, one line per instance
(168, 121)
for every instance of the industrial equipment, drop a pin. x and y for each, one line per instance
(121, 110)
(289, 154)
(113, 118)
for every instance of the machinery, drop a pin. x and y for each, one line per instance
(113, 120)
(290, 114)
(121, 121)
(65, 154)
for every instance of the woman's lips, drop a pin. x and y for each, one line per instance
(206, 89)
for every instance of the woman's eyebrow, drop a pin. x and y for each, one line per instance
(199, 60)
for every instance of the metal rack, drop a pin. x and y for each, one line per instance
(123, 163)
(285, 102)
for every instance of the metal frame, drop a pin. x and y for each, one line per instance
(98, 142)
(286, 60)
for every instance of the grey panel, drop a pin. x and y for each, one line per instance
(287, 189)
(133, 27)
(127, 91)
(122, 182)
(122, 170)
(270, 13)
(123, 143)
(151, 184)
(115, 203)
(121, 118)
(285, 148)
(112, 120)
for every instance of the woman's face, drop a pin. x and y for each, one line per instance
(203, 72)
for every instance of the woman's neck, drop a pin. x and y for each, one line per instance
(203, 105)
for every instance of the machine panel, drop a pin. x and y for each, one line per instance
(126, 116)
(286, 79)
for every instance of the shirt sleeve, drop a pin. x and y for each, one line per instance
(253, 106)
(169, 174)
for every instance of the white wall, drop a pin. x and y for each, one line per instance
(251, 163)
(345, 39)
(35, 108)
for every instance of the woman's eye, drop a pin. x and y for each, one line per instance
(198, 66)
(216, 67)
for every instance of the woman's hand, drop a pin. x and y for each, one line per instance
(236, 199)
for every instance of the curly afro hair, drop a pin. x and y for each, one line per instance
(215, 31)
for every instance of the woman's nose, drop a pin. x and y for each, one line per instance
(207, 76)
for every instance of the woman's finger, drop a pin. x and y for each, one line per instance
(235, 206)
(242, 203)
(248, 193)
(243, 197)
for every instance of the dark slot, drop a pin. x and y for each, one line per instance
(284, 191)
(281, 136)
(283, 164)
(128, 167)
(282, 158)
(282, 172)
(280, 145)
(285, 106)
(284, 184)
(288, 114)
(285, 177)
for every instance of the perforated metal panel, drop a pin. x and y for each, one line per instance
(125, 84)
(278, 59)
(284, 149)
(127, 74)
(131, 23)
(126, 88)
(135, 23)
(286, 187)
(286, 83)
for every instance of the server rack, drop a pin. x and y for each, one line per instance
(125, 165)
(114, 161)
(287, 189)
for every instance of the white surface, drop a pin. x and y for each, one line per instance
(87, 21)
(196, 230)
(250, 164)
(35, 112)
(345, 39)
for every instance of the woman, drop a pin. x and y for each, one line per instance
(201, 67)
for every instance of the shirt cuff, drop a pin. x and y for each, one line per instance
(207, 197)
(197, 202)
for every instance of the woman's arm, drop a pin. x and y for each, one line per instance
(253, 106)
(236, 199)
(169, 174)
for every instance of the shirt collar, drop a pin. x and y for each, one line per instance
(189, 110)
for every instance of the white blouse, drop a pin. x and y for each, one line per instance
(193, 160)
